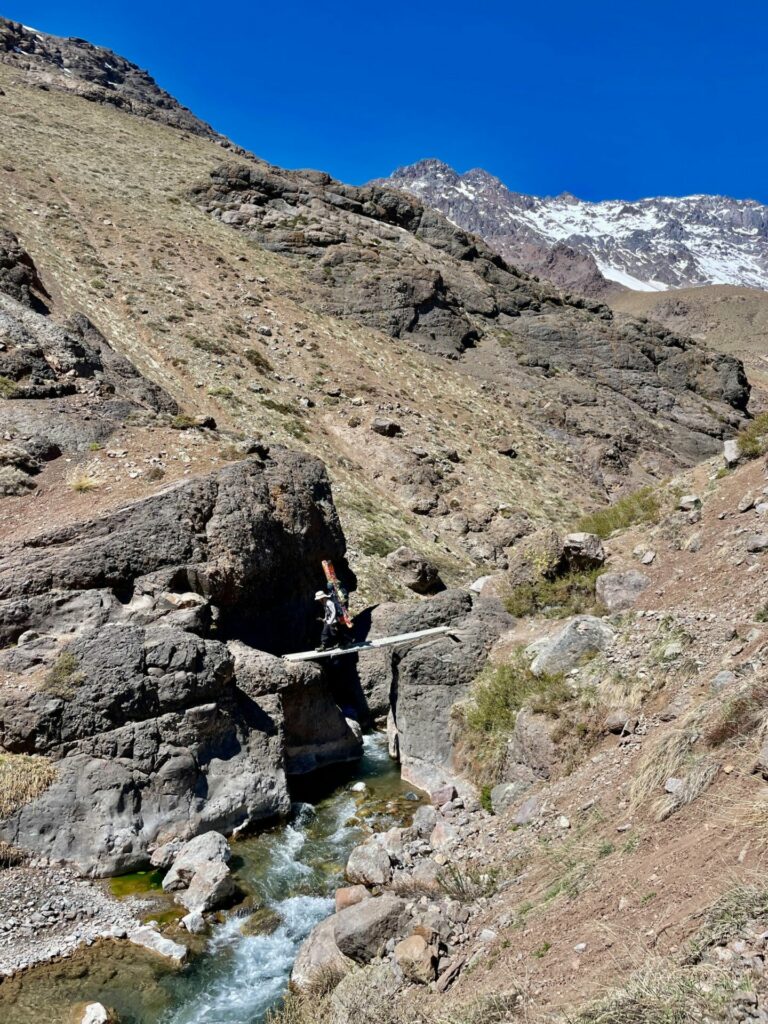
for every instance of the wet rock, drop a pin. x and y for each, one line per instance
(362, 931)
(194, 922)
(620, 590)
(416, 959)
(583, 636)
(369, 864)
(97, 1013)
(151, 939)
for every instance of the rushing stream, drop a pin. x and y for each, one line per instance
(292, 869)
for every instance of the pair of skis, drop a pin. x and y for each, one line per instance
(338, 594)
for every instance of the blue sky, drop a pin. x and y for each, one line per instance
(620, 99)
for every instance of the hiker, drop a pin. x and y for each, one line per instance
(329, 636)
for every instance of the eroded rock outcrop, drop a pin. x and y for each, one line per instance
(155, 727)
(380, 257)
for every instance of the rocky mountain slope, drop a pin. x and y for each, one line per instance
(727, 318)
(93, 73)
(592, 248)
(213, 376)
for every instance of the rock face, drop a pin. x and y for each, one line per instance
(93, 72)
(249, 539)
(380, 257)
(18, 274)
(63, 388)
(156, 728)
(415, 572)
(422, 683)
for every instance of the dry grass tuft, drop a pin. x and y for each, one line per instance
(11, 856)
(727, 918)
(742, 715)
(23, 777)
(698, 777)
(662, 760)
(660, 993)
(85, 478)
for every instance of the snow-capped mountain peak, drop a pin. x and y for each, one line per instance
(647, 244)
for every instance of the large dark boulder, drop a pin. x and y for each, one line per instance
(250, 539)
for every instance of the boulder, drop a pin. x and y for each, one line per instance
(722, 681)
(413, 571)
(369, 864)
(349, 895)
(443, 795)
(205, 849)
(416, 959)
(583, 551)
(620, 590)
(583, 636)
(528, 811)
(506, 795)
(689, 503)
(757, 542)
(424, 820)
(211, 888)
(317, 953)
(387, 428)
(362, 931)
(531, 746)
(194, 922)
(731, 454)
(620, 721)
(97, 1013)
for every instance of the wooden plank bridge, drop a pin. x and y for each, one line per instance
(371, 645)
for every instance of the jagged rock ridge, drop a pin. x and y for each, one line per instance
(95, 73)
(646, 244)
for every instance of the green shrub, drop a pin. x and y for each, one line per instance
(7, 387)
(63, 677)
(257, 359)
(485, 799)
(214, 348)
(753, 439)
(487, 718)
(182, 422)
(643, 506)
(571, 594)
